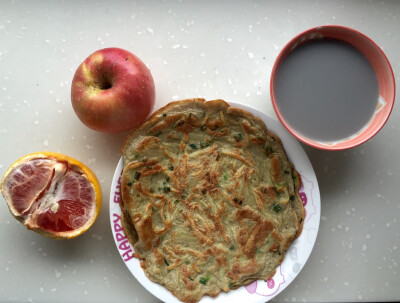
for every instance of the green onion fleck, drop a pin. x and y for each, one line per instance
(136, 156)
(279, 187)
(166, 189)
(176, 201)
(225, 177)
(291, 198)
(286, 172)
(277, 208)
(166, 262)
(194, 146)
(164, 115)
(204, 280)
(203, 127)
(208, 142)
(158, 133)
(231, 247)
(187, 262)
(231, 284)
(137, 175)
(238, 137)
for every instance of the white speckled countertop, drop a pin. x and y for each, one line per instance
(216, 49)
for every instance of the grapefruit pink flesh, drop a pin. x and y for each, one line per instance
(51, 195)
(73, 203)
(28, 182)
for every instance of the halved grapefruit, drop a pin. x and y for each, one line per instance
(52, 194)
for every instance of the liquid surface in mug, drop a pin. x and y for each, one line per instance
(326, 90)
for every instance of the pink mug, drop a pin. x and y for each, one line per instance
(380, 65)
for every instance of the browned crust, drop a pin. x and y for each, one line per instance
(154, 117)
(303, 213)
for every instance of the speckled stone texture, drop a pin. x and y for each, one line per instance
(210, 49)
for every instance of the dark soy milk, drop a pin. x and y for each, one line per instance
(326, 90)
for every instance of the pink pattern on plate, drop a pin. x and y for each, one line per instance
(268, 288)
(309, 208)
(271, 283)
(251, 288)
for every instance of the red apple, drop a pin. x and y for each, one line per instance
(112, 91)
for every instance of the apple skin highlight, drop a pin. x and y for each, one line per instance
(112, 91)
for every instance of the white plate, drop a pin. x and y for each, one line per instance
(296, 257)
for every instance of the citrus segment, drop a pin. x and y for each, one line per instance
(52, 194)
(26, 183)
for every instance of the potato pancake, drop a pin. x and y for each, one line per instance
(209, 199)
